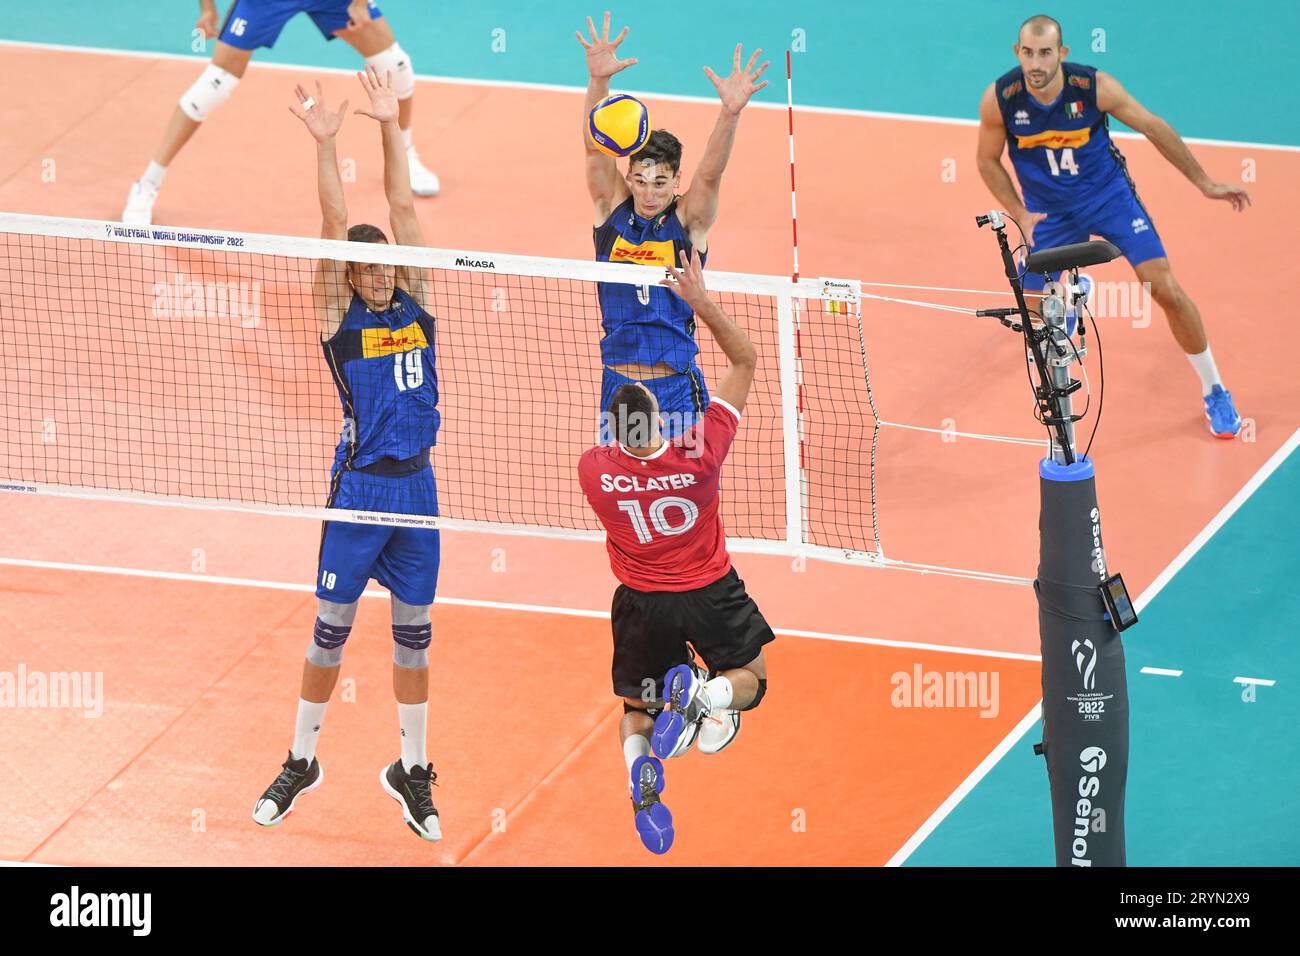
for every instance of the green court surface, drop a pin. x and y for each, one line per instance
(929, 58)
(1213, 775)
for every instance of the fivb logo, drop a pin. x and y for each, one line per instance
(1085, 661)
(1091, 761)
(75, 909)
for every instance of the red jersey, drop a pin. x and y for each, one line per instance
(660, 513)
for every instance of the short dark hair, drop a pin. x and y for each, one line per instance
(632, 415)
(364, 232)
(1041, 23)
(662, 147)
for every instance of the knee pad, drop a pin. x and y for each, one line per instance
(333, 625)
(395, 60)
(408, 659)
(412, 629)
(758, 696)
(209, 91)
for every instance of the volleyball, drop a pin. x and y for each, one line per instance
(619, 125)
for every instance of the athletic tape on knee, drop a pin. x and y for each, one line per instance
(758, 696)
(408, 659)
(209, 91)
(396, 60)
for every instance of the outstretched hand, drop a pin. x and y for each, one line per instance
(736, 89)
(601, 58)
(320, 122)
(689, 282)
(209, 23)
(1236, 195)
(383, 101)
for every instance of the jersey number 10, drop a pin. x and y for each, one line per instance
(1066, 162)
(658, 518)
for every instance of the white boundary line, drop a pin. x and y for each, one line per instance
(470, 602)
(1011, 739)
(1162, 672)
(560, 88)
(1261, 681)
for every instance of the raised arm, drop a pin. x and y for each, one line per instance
(331, 292)
(397, 180)
(699, 206)
(742, 358)
(606, 186)
(988, 158)
(1114, 99)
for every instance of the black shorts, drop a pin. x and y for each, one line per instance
(652, 630)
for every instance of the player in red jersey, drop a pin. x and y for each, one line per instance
(658, 501)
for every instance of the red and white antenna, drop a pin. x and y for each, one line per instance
(794, 219)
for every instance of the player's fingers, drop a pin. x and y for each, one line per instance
(388, 80)
(766, 64)
(320, 94)
(585, 44)
(760, 86)
(735, 59)
(624, 64)
(343, 110)
(619, 39)
(605, 29)
(711, 75)
(753, 58)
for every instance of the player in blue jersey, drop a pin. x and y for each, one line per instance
(378, 339)
(639, 218)
(1052, 117)
(250, 24)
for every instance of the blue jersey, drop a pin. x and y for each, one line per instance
(648, 324)
(383, 366)
(1062, 152)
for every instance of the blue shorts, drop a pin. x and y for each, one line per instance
(404, 560)
(682, 398)
(1118, 217)
(254, 23)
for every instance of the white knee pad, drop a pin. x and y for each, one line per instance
(395, 59)
(209, 91)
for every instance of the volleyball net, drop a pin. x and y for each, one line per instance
(185, 367)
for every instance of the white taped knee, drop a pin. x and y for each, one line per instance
(209, 91)
(394, 59)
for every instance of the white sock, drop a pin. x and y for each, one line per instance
(635, 746)
(413, 719)
(154, 174)
(1204, 365)
(406, 138)
(718, 692)
(310, 717)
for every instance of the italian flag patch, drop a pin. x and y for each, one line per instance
(1074, 109)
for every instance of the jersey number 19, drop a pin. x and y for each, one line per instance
(408, 370)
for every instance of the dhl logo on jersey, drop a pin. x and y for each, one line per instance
(376, 343)
(1056, 139)
(646, 254)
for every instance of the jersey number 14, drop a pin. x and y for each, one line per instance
(1066, 162)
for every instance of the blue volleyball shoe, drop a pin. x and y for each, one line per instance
(654, 822)
(687, 705)
(1221, 414)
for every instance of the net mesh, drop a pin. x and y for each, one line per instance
(161, 367)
